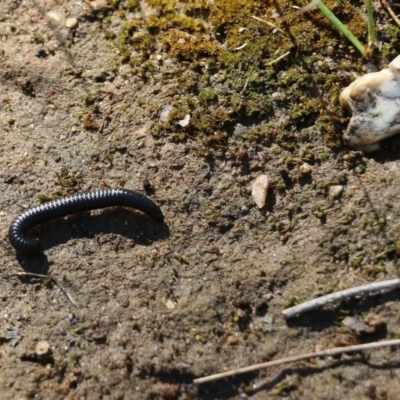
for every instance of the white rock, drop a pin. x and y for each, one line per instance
(185, 121)
(305, 168)
(165, 111)
(259, 190)
(42, 348)
(335, 191)
(56, 17)
(374, 100)
(170, 304)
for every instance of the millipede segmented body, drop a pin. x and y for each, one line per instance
(72, 205)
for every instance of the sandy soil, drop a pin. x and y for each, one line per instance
(162, 304)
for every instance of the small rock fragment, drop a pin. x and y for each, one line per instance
(165, 111)
(232, 340)
(170, 304)
(375, 321)
(42, 348)
(330, 50)
(185, 121)
(335, 191)
(374, 101)
(268, 322)
(305, 168)
(355, 325)
(259, 190)
(55, 17)
(319, 347)
(71, 22)
(138, 36)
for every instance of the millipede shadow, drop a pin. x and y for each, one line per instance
(130, 224)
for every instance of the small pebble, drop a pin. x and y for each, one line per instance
(259, 190)
(375, 321)
(319, 347)
(305, 168)
(55, 16)
(71, 23)
(165, 111)
(185, 121)
(335, 191)
(169, 62)
(330, 50)
(355, 324)
(170, 304)
(268, 324)
(137, 36)
(240, 313)
(42, 348)
(232, 340)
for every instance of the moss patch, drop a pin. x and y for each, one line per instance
(221, 60)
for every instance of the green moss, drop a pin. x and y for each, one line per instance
(185, 47)
(131, 27)
(392, 48)
(132, 4)
(223, 73)
(109, 35)
(76, 359)
(164, 6)
(308, 107)
(324, 156)
(38, 39)
(188, 24)
(207, 96)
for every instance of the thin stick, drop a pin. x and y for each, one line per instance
(241, 47)
(307, 7)
(245, 86)
(386, 4)
(371, 27)
(330, 352)
(337, 296)
(278, 59)
(268, 23)
(33, 275)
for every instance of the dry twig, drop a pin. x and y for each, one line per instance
(330, 352)
(268, 23)
(278, 59)
(391, 12)
(33, 275)
(337, 296)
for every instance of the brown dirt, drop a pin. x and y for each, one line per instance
(162, 304)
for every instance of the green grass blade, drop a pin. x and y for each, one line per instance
(345, 32)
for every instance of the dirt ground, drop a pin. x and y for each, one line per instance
(162, 304)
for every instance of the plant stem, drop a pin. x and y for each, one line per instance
(371, 26)
(329, 14)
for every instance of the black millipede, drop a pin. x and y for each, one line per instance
(71, 205)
